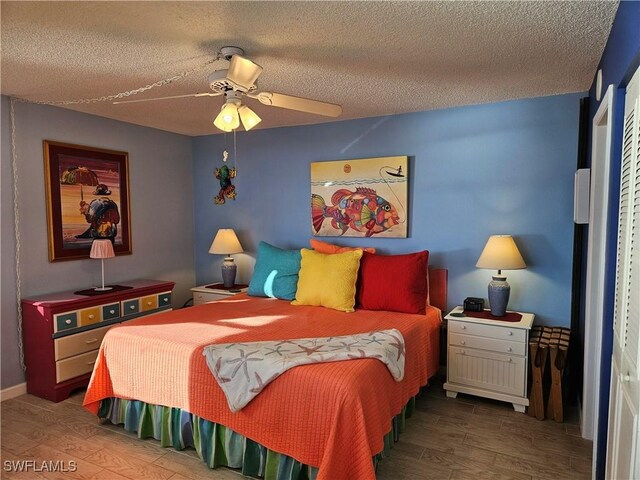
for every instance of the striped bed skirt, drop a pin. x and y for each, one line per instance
(218, 445)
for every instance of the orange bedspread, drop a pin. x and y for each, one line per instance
(332, 415)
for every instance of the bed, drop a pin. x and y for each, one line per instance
(329, 420)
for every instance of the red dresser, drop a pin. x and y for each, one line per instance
(63, 332)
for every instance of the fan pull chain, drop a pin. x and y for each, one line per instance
(128, 93)
(235, 153)
(16, 224)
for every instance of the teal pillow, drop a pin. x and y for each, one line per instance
(276, 273)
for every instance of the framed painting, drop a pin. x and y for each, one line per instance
(87, 198)
(360, 198)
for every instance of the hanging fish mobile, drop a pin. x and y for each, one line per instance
(224, 174)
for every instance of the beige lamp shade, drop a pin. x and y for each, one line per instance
(102, 248)
(225, 243)
(501, 253)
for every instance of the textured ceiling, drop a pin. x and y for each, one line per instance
(374, 58)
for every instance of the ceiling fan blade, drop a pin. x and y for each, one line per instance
(207, 94)
(243, 72)
(298, 103)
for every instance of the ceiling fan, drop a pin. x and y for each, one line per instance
(238, 81)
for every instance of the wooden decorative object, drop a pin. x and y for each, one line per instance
(558, 347)
(539, 347)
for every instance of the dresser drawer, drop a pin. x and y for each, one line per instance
(130, 307)
(487, 370)
(75, 366)
(485, 343)
(164, 300)
(149, 303)
(109, 312)
(90, 316)
(65, 321)
(502, 332)
(71, 345)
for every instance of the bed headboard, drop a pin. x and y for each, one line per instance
(438, 288)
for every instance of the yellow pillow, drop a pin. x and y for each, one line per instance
(328, 280)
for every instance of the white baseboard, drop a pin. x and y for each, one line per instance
(13, 392)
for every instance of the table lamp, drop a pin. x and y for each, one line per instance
(102, 248)
(225, 243)
(500, 253)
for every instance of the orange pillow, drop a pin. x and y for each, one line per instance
(328, 248)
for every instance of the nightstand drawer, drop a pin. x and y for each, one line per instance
(200, 298)
(75, 366)
(485, 343)
(502, 332)
(71, 345)
(487, 370)
(130, 307)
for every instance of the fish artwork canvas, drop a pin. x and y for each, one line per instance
(360, 198)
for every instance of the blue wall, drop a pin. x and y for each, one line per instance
(475, 171)
(620, 59)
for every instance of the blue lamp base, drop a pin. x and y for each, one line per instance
(229, 269)
(499, 291)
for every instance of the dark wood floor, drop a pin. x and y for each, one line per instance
(465, 438)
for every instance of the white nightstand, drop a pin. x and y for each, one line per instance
(206, 294)
(488, 358)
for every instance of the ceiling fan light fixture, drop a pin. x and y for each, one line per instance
(249, 118)
(228, 119)
(243, 72)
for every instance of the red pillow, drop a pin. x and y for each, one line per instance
(397, 283)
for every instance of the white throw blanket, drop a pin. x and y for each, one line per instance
(243, 370)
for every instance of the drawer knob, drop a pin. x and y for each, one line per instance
(462, 342)
(132, 307)
(464, 327)
(625, 378)
(510, 360)
(92, 316)
(509, 333)
(149, 302)
(509, 349)
(89, 342)
(112, 312)
(165, 299)
(463, 352)
(68, 321)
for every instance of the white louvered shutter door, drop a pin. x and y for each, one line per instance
(623, 459)
(623, 229)
(631, 280)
